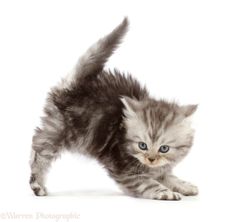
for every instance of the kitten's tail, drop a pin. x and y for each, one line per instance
(92, 62)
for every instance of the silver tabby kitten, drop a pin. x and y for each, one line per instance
(111, 117)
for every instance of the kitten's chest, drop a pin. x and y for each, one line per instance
(158, 172)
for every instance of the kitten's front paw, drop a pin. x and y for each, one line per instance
(187, 189)
(167, 195)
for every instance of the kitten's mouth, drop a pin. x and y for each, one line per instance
(156, 162)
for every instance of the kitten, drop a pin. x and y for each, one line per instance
(109, 116)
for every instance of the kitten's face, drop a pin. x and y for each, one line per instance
(158, 133)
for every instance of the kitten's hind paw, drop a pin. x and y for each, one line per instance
(37, 189)
(167, 195)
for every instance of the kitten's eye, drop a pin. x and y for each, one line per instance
(164, 149)
(142, 146)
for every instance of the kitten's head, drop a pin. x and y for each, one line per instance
(158, 133)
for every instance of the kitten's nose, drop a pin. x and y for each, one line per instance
(151, 159)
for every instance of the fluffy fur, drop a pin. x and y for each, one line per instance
(105, 115)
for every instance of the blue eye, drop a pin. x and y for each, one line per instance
(142, 146)
(164, 149)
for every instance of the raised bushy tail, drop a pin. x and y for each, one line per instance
(93, 61)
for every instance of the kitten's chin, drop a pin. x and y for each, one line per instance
(155, 165)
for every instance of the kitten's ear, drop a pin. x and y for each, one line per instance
(188, 110)
(131, 105)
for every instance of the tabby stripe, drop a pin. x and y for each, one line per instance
(149, 187)
(132, 178)
(134, 185)
(52, 124)
(161, 190)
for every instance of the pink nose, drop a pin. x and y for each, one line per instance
(151, 159)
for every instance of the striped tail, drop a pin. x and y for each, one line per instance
(93, 61)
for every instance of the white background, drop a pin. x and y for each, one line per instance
(182, 50)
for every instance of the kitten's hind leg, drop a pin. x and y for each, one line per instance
(43, 153)
(39, 167)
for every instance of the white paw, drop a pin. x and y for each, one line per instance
(42, 192)
(187, 189)
(167, 195)
(38, 190)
